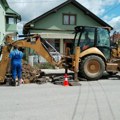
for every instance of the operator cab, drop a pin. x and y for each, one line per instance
(87, 37)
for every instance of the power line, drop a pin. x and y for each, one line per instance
(35, 1)
(111, 9)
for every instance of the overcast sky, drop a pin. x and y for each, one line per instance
(107, 10)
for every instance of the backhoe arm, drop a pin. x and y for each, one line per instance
(4, 62)
(38, 45)
(41, 47)
(35, 43)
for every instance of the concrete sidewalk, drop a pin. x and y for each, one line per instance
(55, 71)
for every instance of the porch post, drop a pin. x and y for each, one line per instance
(61, 46)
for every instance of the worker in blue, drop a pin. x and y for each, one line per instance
(16, 64)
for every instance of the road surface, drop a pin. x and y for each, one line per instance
(94, 100)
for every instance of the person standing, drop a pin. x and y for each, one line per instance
(16, 64)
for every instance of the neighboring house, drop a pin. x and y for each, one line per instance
(8, 20)
(115, 37)
(57, 25)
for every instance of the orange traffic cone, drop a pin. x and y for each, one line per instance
(65, 83)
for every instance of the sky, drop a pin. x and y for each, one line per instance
(107, 10)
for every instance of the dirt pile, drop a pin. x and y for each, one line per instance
(30, 74)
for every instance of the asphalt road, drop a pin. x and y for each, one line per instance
(94, 100)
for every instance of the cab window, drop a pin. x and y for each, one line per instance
(103, 42)
(87, 38)
(103, 38)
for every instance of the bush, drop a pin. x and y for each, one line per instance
(44, 66)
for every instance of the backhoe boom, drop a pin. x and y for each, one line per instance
(33, 42)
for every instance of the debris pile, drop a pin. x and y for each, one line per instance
(30, 74)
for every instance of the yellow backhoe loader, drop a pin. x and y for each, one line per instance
(35, 42)
(98, 53)
(91, 55)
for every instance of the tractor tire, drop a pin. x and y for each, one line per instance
(92, 67)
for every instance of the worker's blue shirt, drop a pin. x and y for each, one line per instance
(16, 56)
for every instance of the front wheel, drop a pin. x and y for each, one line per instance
(92, 67)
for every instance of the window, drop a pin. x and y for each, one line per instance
(103, 42)
(69, 19)
(103, 38)
(10, 20)
(87, 37)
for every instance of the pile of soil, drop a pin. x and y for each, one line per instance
(29, 74)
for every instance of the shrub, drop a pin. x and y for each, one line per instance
(44, 66)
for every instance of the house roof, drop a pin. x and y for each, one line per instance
(4, 2)
(75, 3)
(9, 11)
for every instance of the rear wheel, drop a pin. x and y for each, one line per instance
(92, 67)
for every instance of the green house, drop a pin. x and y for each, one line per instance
(57, 25)
(8, 20)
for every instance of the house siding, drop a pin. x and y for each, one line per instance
(50, 24)
(54, 20)
(11, 27)
(2, 21)
(5, 27)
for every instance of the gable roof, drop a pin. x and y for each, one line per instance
(75, 3)
(8, 10)
(4, 3)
